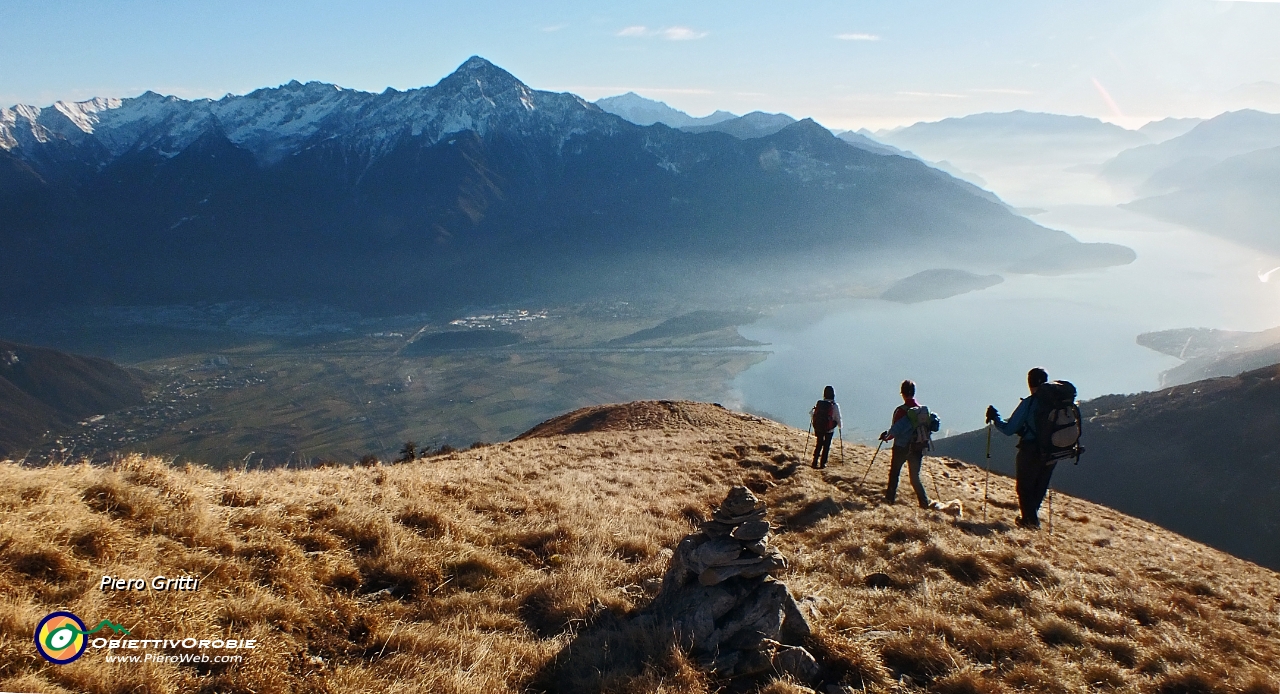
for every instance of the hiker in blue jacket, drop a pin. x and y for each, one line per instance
(905, 449)
(1032, 472)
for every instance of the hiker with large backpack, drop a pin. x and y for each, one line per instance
(1047, 424)
(912, 434)
(825, 418)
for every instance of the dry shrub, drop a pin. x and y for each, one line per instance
(1191, 680)
(1034, 678)
(1059, 632)
(967, 682)
(553, 605)
(91, 678)
(1137, 607)
(338, 572)
(473, 572)
(968, 569)
(1006, 595)
(1121, 650)
(624, 656)
(424, 521)
(1103, 676)
(112, 497)
(920, 657)
(403, 577)
(27, 682)
(193, 527)
(848, 662)
(1260, 683)
(536, 547)
(1104, 622)
(260, 607)
(97, 540)
(236, 496)
(635, 549)
(784, 686)
(1028, 569)
(42, 563)
(907, 533)
(999, 648)
(366, 533)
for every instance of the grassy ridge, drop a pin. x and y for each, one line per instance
(510, 567)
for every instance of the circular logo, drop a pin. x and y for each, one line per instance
(60, 638)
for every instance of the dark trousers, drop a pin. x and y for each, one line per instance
(823, 448)
(1032, 481)
(913, 456)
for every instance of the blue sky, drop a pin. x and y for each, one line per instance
(847, 64)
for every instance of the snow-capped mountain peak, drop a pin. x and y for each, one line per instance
(275, 122)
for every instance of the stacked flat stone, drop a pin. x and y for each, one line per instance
(738, 543)
(721, 598)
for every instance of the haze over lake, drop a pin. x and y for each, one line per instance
(974, 349)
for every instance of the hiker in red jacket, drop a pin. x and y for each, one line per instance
(825, 417)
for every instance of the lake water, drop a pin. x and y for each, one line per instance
(968, 351)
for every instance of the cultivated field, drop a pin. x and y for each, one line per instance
(518, 566)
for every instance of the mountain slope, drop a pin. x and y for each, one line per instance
(1200, 459)
(527, 566)
(1209, 353)
(43, 389)
(476, 190)
(1168, 128)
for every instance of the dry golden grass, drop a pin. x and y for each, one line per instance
(517, 566)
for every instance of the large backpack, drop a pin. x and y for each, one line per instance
(923, 424)
(823, 417)
(1057, 422)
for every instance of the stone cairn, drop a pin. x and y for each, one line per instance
(723, 602)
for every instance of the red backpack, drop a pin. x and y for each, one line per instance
(823, 417)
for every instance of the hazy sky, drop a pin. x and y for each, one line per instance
(846, 64)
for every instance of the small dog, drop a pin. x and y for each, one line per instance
(953, 507)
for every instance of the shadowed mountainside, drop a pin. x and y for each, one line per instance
(477, 190)
(45, 390)
(1202, 459)
(522, 566)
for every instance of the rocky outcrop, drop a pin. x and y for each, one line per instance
(723, 602)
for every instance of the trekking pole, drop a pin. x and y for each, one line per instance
(1050, 513)
(806, 438)
(873, 462)
(936, 494)
(841, 429)
(986, 482)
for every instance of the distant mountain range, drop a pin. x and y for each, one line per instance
(987, 136)
(642, 111)
(44, 390)
(1202, 459)
(478, 189)
(1221, 177)
(1172, 164)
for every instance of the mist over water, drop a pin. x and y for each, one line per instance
(968, 351)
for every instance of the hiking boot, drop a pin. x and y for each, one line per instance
(889, 500)
(1029, 524)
